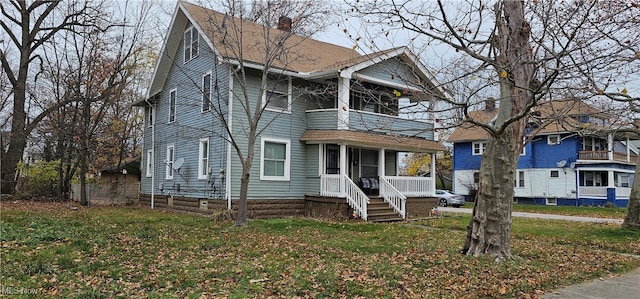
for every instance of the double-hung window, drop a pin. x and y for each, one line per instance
(275, 159)
(169, 162)
(206, 92)
(203, 161)
(478, 147)
(172, 105)
(277, 95)
(149, 163)
(190, 44)
(519, 183)
(150, 114)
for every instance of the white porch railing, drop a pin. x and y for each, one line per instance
(342, 186)
(393, 197)
(412, 186)
(623, 192)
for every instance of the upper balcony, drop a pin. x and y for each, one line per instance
(327, 119)
(603, 155)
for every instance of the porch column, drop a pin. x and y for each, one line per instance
(343, 100)
(610, 179)
(343, 166)
(433, 173)
(381, 163)
(628, 150)
(610, 146)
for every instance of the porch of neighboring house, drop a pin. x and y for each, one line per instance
(366, 176)
(604, 186)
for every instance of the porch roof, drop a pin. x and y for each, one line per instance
(372, 140)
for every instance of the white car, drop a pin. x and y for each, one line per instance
(446, 198)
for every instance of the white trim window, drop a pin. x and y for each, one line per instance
(169, 162)
(478, 147)
(172, 105)
(149, 163)
(191, 47)
(553, 139)
(203, 159)
(519, 183)
(554, 174)
(275, 157)
(277, 95)
(206, 92)
(551, 201)
(150, 115)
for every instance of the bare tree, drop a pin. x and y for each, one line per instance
(522, 53)
(29, 26)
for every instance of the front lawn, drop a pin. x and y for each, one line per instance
(51, 249)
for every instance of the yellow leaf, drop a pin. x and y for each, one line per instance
(503, 74)
(396, 93)
(503, 290)
(624, 91)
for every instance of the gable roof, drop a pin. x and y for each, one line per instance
(305, 57)
(304, 54)
(555, 116)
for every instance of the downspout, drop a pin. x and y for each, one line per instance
(153, 152)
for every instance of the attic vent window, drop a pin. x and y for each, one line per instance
(190, 44)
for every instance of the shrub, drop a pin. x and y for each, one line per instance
(37, 179)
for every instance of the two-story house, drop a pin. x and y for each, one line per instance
(572, 156)
(342, 143)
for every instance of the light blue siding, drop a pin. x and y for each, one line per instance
(190, 125)
(393, 70)
(322, 119)
(273, 124)
(364, 121)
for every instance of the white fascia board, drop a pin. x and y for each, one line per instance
(150, 90)
(385, 82)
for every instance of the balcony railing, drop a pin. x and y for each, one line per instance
(604, 155)
(589, 191)
(327, 119)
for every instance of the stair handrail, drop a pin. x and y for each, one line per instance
(355, 197)
(393, 197)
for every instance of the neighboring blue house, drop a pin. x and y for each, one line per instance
(572, 157)
(332, 126)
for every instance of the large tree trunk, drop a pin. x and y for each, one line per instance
(489, 231)
(632, 219)
(18, 137)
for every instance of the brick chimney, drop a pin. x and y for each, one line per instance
(284, 23)
(490, 104)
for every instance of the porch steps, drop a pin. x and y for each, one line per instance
(380, 211)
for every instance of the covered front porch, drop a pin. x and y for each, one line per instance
(358, 166)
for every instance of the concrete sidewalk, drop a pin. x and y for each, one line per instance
(621, 287)
(540, 216)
